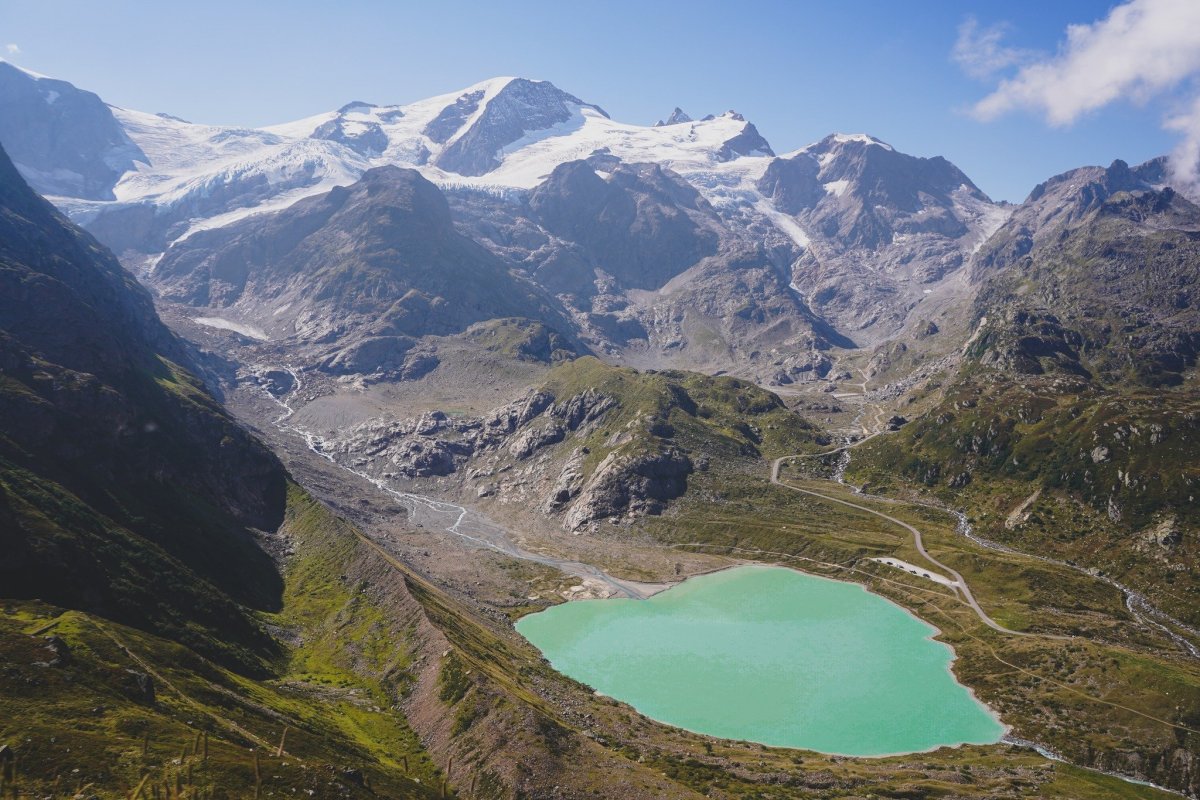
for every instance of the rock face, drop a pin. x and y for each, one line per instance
(364, 138)
(63, 140)
(748, 142)
(1090, 247)
(630, 484)
(882, 224)
(435, 444)
(677, 116)
(651, 268)
(642, 225)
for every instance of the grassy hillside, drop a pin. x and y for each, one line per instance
(720, 417)
(77, 711)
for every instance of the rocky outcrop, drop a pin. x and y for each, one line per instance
(630, 484)
(569, 484)
(749, 142)
(435, 444)
(520, 448)
(364, 138)
(534, 439)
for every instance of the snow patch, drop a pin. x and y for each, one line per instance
(236, 327)
(783, 222)
(844, 138)
(984, 217)
(836, 188)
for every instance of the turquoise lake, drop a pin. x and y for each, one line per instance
(770, 655)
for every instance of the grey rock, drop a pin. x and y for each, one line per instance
(141, 686)
(622, 483)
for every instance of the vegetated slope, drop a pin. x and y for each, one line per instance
(1072, 426)
(126, 489)
(140, 608)
(595, 442)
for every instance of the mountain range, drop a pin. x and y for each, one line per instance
(307, 415)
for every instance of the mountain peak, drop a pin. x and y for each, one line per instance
(677, 116)
(356, 106)
(495, 114)
(849, 139)
(35, 75)
(88, 154)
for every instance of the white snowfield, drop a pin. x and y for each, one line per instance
(186, 155)
(192, 166)
(236, 327)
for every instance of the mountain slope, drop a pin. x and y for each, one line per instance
(355, 275)
(883, 227)
(655, 272)
(127, 489)
(1070, 427)
(592, 443)
(146, 631)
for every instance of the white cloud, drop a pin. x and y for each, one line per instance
(1140, 49)
(980, 51)
(1143, 49)
(1185, 161)
(12, 49)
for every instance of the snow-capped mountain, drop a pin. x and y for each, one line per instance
(171, 177)
(845, 231)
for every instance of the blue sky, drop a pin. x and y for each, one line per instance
(798, 70)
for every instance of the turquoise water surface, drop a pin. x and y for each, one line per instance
(770, 655)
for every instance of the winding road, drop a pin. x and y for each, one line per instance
(960, 584)
(473, 527)
(1136, 603)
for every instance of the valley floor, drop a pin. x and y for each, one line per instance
(1046, 667)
